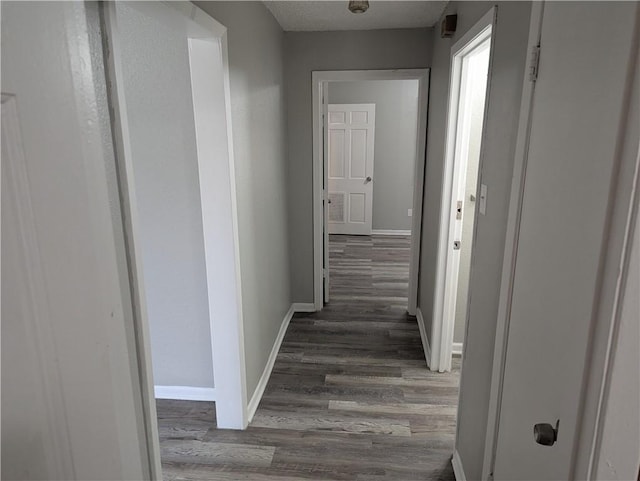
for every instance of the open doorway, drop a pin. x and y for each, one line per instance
(358, 117)
(462, 196)
(371, 130)
(169, 91)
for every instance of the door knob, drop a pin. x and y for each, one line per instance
(368, 179)
(545, 433)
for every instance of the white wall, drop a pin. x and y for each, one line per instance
(157, 86)
(70, 392)
(344, 50)
(256, 66)
(509, 58)
(396, 132)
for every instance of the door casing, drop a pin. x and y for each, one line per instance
(446, 284)
(320, 81)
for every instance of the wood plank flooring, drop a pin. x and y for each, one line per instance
(350, 396)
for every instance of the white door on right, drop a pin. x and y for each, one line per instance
(577, 108)
(350, 167)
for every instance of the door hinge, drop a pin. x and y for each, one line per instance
(324, 273)
(534, 63)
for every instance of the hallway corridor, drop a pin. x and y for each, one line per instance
(350, 396)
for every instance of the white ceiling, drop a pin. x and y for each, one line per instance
(313, 15)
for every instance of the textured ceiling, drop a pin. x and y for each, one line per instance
(315, 15)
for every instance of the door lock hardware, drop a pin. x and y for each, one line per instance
(459, 210)
(456, 245)
(545, 433)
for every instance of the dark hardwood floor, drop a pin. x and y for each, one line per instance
(350, 396)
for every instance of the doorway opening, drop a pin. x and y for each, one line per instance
(354, 116)
(169, 90)
(463, 196)
(370, 136)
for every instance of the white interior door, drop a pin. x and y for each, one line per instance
(574, 127)
(350, 144)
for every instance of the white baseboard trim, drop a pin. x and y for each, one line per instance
(390, 232)
(456, 350)
(264, 379)
(185, 393)
(424, 337)
(304, 307)
(458, 471)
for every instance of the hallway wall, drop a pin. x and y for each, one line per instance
(343, 50)
(256, 64)
(508, 64)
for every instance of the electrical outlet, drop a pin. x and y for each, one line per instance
(409, 212)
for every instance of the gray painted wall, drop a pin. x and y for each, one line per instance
(504, 96)
(395, 144)
(259, 140)
(155, 61)
(345, 50)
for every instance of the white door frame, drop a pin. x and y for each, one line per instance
(623, 213)
(447, 266)
(320, 81)
(217, 180)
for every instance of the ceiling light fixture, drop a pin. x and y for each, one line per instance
(358, 6)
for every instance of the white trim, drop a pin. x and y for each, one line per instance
(510, 249)
(266, 374)
(423, 336)
(319, 80)
(390, 232)
(458, 470)
(185, 393)
(126, 183)
(216, 173)
(446, 266)
(456, 349)
(303, 307)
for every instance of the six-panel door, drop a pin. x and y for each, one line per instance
(350, 163)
